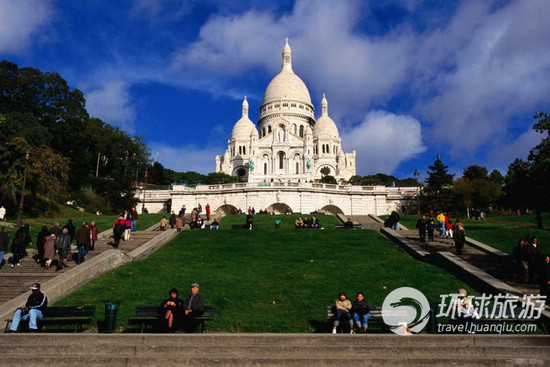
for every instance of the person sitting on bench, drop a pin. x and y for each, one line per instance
(33, 310)
(193, 308)
(343, 307)
(215, 224)
(249, 221)
(348, 224)
(171, 311)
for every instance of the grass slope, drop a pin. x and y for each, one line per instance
(267, 280)
(501, 232)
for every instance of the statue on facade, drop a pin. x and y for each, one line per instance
(250, 165)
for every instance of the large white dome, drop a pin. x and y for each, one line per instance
(286, 84)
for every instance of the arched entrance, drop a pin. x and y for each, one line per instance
(279, 208)
(227, 209)
(331, 209)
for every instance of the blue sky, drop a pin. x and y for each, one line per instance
(405, 80)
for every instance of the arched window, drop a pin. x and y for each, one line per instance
(294, 128)
(297, 167)
(269, 129)
(301, 131)
(265, 168)
(240, 150)
(244, 150)
(281, 160)
(323, 148)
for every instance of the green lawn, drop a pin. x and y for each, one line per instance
(267, 280)
(501, 232)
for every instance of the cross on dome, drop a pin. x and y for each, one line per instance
(287, 56)
(324, 105)
(245, 107)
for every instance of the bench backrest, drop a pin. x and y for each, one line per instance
(82, 311)
(153, 311)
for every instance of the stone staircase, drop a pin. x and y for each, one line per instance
(15, 281)
(273, 350)
(497, 266)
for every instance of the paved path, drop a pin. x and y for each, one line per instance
(17, 280)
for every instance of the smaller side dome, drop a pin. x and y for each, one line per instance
(243, 128)
(325, 126)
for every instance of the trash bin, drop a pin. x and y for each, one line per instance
(111, 309)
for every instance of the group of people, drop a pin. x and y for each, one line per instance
(528, 262)
(177, 314)
(356, 313)
(307, 222)
(196, 221)
(442, 223)
(53, 244)
(124, 225)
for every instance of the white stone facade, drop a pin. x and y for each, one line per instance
(289, 145)
(299, 197)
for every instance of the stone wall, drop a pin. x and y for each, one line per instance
(299, 197)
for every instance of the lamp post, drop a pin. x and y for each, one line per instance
(416, 174)
(20, 211)
(143, 202)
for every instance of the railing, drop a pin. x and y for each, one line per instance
(401, 191)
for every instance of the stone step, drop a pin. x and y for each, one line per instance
(273, 350)
(297, 350)
(433, 340)
(215, 360)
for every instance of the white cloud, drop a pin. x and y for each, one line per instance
(383, 141)
(21, 21)
(187, 157)
(488, 65)
(111, 102)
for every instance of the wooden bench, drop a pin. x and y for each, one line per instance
(71, 315)
(375, 320)
(243, 226)
(355, 226)
(149, 316)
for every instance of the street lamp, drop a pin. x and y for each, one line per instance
(416, 174)
(143, 202)
(20, 211)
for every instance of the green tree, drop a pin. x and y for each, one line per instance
(496, 177)
(329, 179)
(539, 157)
(475, 190)
(438, 193)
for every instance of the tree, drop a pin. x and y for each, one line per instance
(46, 172)
(329, 179)
(438, 177)
(475, 190)
(527, 182)
(474, 172)
(539, 157)
(438, 192)
(220, 178)
(325, 171)
(496, 177)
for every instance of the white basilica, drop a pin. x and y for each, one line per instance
(289, 144)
